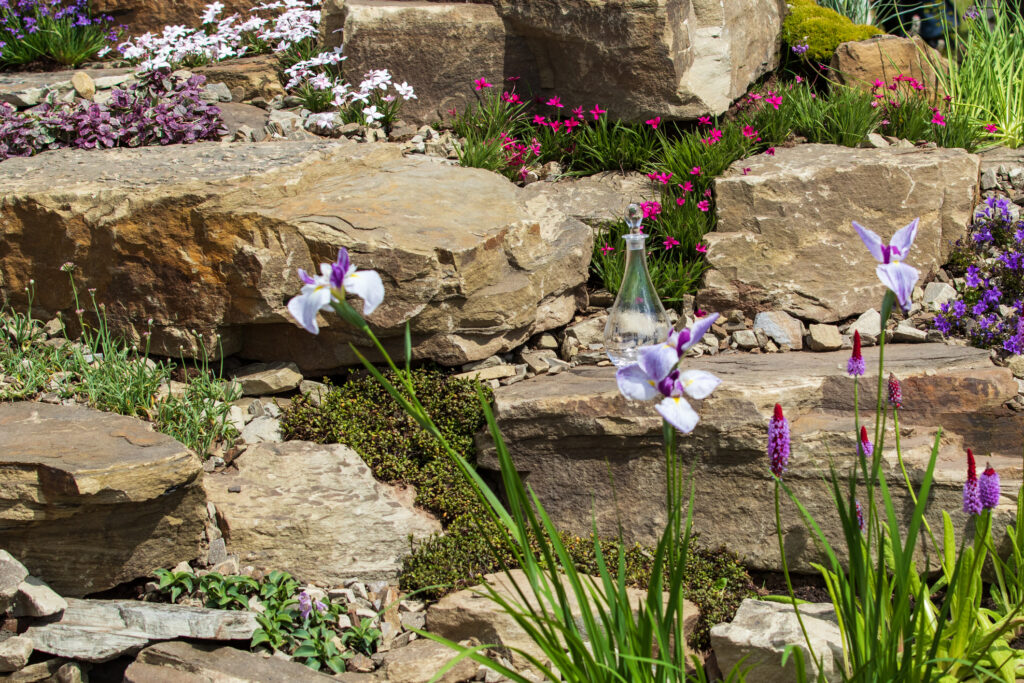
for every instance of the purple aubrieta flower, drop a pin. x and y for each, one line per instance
(988, 488)
(972, 496)
(656, 373)
(897, 276)
(778, 442)
(319, 292)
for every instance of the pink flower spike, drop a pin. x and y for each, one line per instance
(555, 102)
(992, 128)
(597, 111)
(770, 151)
(694, 171)
(701, 248)
(605, 249)
(481, 83)
(653, 123)
(670, 242)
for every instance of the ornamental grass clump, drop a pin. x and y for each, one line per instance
(900, 621)
(63, 32)
(988, 306)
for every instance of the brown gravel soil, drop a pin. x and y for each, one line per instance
(809, 587)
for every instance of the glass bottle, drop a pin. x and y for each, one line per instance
(637, 318)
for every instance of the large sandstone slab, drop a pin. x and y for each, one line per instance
(208, 237)
(597, 199)
(784, 239)
(860, 63)
(314, 511)
(102, 630)
(591, 455)
(90, 499)
(181, 662)
(672, 58)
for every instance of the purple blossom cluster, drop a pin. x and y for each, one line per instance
(158, 109)
(30, 28)
(988, 311)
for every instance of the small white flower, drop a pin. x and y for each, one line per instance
(372, 114)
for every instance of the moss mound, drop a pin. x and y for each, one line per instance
(821, 28)
(362, 415)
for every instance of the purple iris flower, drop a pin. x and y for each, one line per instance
(897, 276)
(656, 373)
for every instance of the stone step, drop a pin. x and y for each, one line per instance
(590, 454)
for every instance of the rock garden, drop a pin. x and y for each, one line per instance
(511, 341)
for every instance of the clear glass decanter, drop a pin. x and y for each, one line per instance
(637, 318)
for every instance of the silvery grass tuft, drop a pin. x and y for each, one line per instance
(897, 621)
(609, 638)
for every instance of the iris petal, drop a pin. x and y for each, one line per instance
(305, 306)
(871, 240)
(634, 383)
(678, 413)
(367, 285)
(698, 384)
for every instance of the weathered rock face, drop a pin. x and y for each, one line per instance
(438, 48)
(149, 15)
(215, 248)
(595, 200)
(93, 499)
(102, 630)
(314, 511)
(247, 78)
(860, 63)
(586, 451)
(181, 662)
(759, 633)
(673, 58)
(784, 239)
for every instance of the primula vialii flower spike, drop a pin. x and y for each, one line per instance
(972, 496)
(778, 442)
(860, 517)
(988, 488)
(855, 366)
(866, 448)
(895, 392)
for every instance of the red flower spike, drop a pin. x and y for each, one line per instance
(972, 474)
(778, 412)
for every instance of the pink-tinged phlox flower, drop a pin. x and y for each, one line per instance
(704, 205)
(992, 128)
(855, 366)
(555, 102)
(895, 392)
(897, 276)
(701, 248)
(866, 448)
(335, 279)
(605, 249)
(988, 488)
(597, 111)
(481, 83)
(653, 123)
(670, 242)
(972, 496)
(778, 442)
(656, 373)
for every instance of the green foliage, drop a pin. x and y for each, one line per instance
(362, 637)
(821, 29)
(986, 75)
(110, 374)
(175, 584)
(228, 592)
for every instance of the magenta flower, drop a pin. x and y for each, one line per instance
(555, 102)
(701, 248)
(571, 123)
(938, 119)
(605, 249)
(481, 83)
(746, 170)
(866, 447)
(972, 497)
(704, 120)
(704, 205)
(770, 151)
(651, 209)
(694, 171)
(895, 392)
(539, 120)
(555, 125)
(778, 442)
(988, 488)
(680, 201)
(750, 133)
(688, 186)
(670, 242)
(992, 128)
(597, 111)
(578, 112)
(855, 366)
(653, 123)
